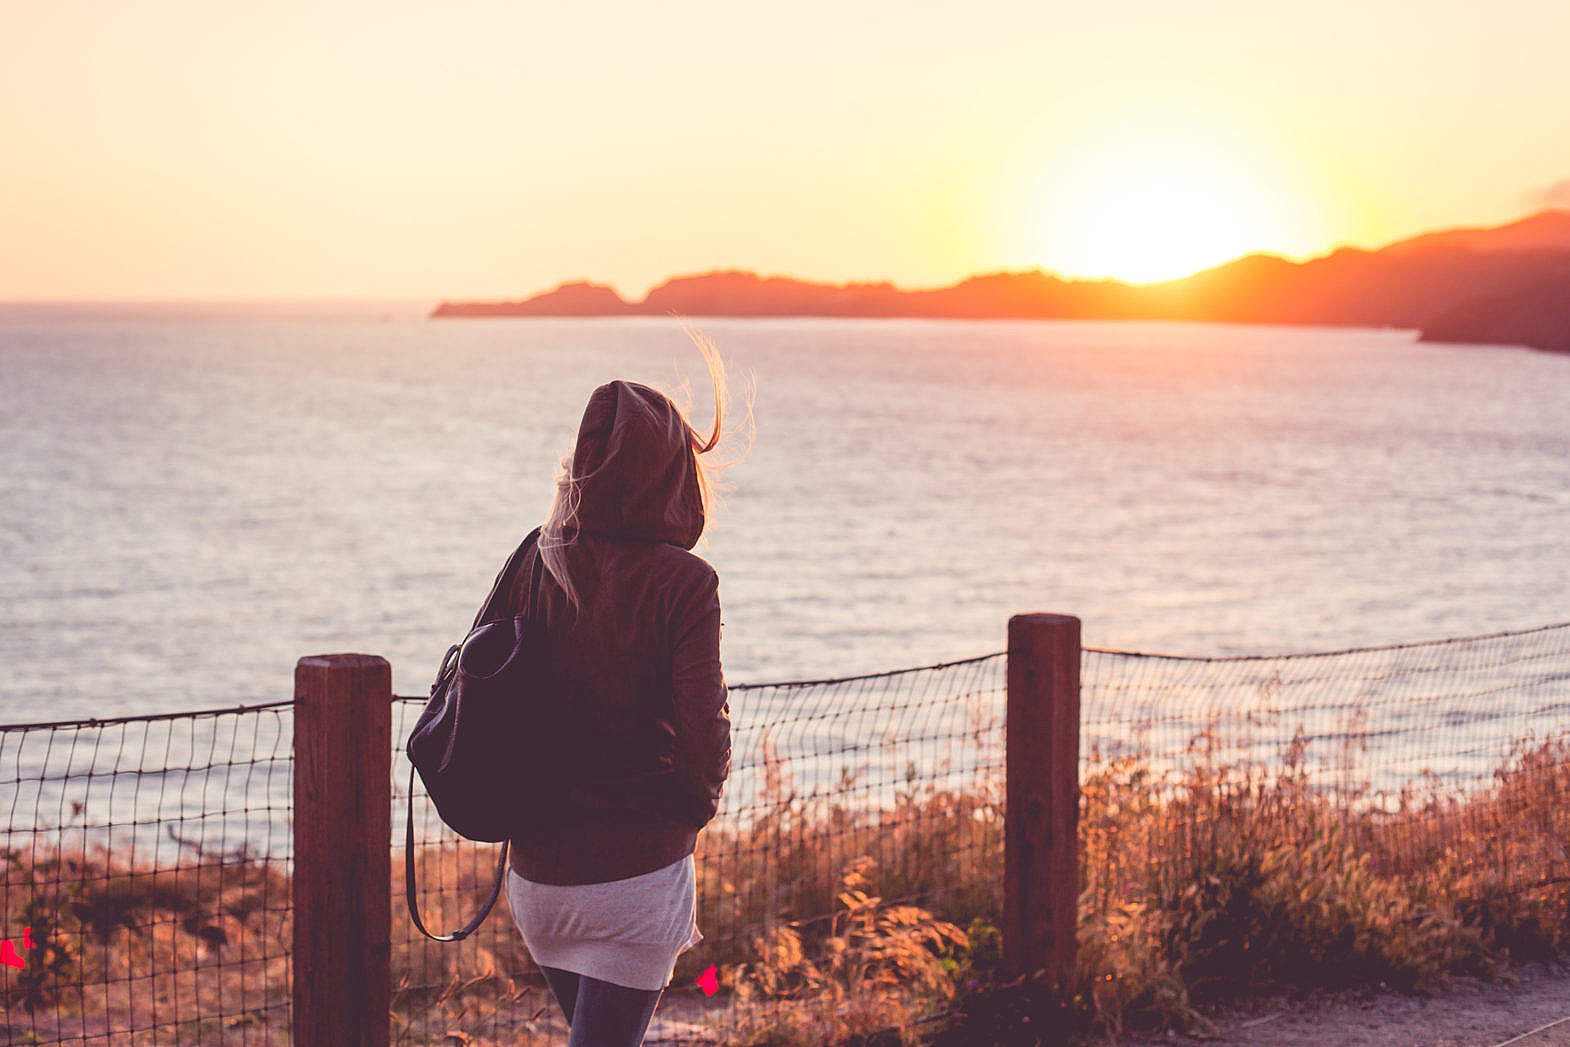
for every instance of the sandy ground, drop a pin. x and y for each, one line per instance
(1468, 1013)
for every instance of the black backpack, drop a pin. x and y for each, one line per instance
(465, 744)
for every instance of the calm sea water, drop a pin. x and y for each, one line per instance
(192, 503)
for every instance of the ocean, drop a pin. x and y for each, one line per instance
(196, 498)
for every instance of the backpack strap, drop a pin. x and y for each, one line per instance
(411, 891)
(493, 603)
(495, 607)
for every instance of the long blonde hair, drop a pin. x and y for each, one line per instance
(559, 528)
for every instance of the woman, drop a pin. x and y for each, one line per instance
(605, 898)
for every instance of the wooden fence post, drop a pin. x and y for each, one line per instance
(1041, 802)
(342, 850)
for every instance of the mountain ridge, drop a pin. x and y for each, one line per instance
(1404, 284)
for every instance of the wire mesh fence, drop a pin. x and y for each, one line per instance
(1416, 794)
(1388, 814)
(487, 987)
(145, 891)
(892, 779)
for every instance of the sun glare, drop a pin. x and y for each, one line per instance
(1149, 218)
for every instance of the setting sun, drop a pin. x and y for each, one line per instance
(1154, 214)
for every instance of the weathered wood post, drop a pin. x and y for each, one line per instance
(1041, 801)
(342, 850)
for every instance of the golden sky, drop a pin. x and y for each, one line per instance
(166, 149)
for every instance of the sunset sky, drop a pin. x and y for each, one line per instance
(477, 149)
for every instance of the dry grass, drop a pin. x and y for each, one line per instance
(486, 988)
(829, 925)
(1225, 881)
(196, 954)
(1197, 888)
(863, 983)
(199, 954)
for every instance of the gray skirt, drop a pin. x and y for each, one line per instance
(627, 932)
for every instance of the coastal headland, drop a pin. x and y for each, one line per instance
(1508, 283)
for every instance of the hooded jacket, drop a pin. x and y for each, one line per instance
(640, 659)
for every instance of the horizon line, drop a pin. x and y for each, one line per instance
(369, 299)
(1325, 252)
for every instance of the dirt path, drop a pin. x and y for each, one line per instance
(1469, 1013)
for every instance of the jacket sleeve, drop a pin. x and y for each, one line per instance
(702, 707)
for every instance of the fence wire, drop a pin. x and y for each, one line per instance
(1373, 814)
(893, 779)
(145, 892)
(147, 860)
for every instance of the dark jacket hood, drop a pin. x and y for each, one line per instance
(638, 467)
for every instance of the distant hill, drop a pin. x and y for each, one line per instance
(572, 299)
(1538, 317)
(1405, 284)
(1546, 230)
